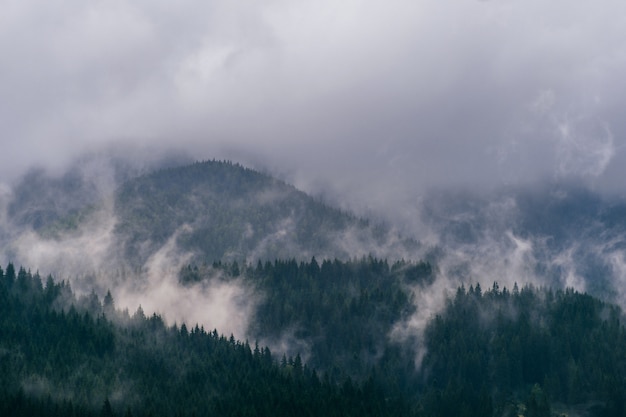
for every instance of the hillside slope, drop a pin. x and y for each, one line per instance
(219, 210)
(60, 355)
(500, 352)
(204, 212)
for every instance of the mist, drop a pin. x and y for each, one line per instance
(219, 302)
(367, 102)
(437, 118)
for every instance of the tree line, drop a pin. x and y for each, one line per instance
(503, 352)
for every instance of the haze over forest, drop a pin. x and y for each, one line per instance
(184, 158)
(375, 108)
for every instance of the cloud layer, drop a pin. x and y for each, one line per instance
(368, 103)
(399, 95)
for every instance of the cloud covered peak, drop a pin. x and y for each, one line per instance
(409, 93)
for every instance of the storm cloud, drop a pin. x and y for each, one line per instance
(365, 102)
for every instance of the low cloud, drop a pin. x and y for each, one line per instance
(369, 102)
(81, 246)
(556, 236)
(584, 149)
(288, 344)
(215, 302)
(86, 250)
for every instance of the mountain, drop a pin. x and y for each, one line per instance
(224, 211)
(205, 211)
(341, 323)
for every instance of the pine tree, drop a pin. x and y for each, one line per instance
(9, 276)
(107, 410)
(108, 304)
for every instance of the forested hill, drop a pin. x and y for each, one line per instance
(496, 351)
(221, 211)
(212, 210)
(500, 352)
(63, 356)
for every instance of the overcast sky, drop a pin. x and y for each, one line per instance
(365, 99)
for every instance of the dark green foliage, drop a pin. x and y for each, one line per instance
(337, 313)
(490, 352)
(558, 346)
(66, 361)
(537, 404)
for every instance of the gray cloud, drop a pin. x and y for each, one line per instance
(369, 102)
(215, 303)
